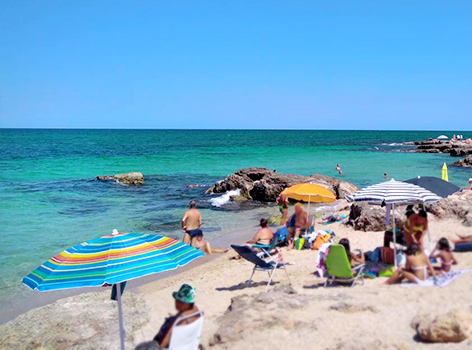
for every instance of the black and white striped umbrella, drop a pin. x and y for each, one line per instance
(392, 192)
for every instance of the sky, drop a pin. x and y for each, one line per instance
(400, 65)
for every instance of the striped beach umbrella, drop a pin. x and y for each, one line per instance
(393, 192)
(111, 260)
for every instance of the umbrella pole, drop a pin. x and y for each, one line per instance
(120, 317)
(394, 235)
(309, 200)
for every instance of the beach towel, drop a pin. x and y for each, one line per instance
(443, 280)
(463, 247)
(387, 255)
(321, 259)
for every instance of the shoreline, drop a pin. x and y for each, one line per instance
(376, 316)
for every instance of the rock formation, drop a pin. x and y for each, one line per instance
(264, 185)
(367, 217)
(466, 162)
(454, 326)
(130, 179)
(457, 206)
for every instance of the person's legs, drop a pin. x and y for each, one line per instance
(396, 277)
(186, 239)
(290, 238)
(410, 277)
(284, 216)
(207, 248)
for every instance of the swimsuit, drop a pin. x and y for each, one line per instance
(425, 269)
(193, 233)
(445, 264)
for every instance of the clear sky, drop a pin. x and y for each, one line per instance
(236, 64)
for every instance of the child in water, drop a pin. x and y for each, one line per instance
(443, 252)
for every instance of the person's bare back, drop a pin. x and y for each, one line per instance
(192, 219)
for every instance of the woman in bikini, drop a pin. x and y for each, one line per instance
(416, 227)
(416, 268)
(443, 251)
(282, 202)
(353, 258)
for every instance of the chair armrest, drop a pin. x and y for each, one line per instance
(261, 245)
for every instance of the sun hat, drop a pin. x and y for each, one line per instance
(186, 294)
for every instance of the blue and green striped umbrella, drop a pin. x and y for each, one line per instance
(111, 260)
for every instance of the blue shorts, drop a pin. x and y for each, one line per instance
(195, 233)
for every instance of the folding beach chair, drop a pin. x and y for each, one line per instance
(268, 266)
(339, 267)
(266, 249)
(186, 336)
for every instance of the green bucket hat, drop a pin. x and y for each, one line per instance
(186, 294)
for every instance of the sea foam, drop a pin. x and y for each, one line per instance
(224, 198)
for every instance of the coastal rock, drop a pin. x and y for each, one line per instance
(454, 326)
(367, 217)
(460, 152)
(466, 162)
(264, 185)
(84, 321)
(455, 149)
(130, 179)
(457, 206)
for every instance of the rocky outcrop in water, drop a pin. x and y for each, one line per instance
(264, 185)
(130, 179)
(466, 162)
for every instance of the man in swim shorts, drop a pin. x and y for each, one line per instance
(191, 223)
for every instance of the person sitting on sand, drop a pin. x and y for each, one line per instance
(444, 253)
(282, 202)
(200, 244)
(462, 239)
(354, 259)
(191, 222)
(416, 268)
(185, 306)
(297, 224)
(416, 227)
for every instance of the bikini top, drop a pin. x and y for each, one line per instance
(424, 268)
(415, 228)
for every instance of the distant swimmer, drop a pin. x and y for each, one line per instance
(191, 223)
(338, 167)
(385, 176)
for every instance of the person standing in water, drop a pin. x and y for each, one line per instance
(385, 176)
(191, 223)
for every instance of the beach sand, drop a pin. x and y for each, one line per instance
(369, 316)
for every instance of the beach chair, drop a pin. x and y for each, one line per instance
(339, 267)
(266, 249)
(268, 266)
(186, 336)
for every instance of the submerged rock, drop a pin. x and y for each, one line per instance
(264, 185)
(466, 162)
(131, 179)
(454, 326)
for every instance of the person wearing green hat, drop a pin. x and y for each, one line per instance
(185, 306)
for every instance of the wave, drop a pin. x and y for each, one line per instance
(224, 198)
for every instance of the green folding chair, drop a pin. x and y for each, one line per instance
(339, 267)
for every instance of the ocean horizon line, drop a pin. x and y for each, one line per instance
(225, 129)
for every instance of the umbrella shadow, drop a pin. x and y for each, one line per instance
(243, 285)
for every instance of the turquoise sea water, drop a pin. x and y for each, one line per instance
(50, 200)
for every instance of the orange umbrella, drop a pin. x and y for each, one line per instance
(310, 193)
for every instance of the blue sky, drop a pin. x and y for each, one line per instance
(236, 64)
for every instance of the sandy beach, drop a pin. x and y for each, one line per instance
(369, 316)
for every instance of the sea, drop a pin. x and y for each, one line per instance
(50, 198)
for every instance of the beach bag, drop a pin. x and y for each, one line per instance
(387, 255)
(299, 243)
(282, 233)
(375, 257)
(320, 239)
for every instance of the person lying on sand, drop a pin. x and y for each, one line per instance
(200, 244)
(297, 224)
(462, 239)
(443, 251)
(416, 268)
(185, 306)
(354, 259)
(331, 218)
